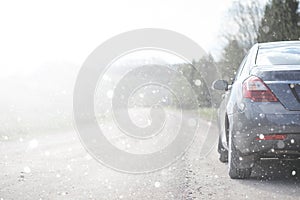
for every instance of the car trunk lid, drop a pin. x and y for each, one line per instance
(284, 82)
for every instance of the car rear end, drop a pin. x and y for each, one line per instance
(268, 121)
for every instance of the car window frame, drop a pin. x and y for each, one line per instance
(248, 61)
(241, 67)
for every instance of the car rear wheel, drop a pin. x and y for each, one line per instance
(235, 162)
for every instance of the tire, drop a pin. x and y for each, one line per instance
(222, 151)
(234, 163)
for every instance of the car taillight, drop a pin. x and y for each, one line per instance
(256, 90)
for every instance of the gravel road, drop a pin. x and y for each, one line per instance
(56, 166)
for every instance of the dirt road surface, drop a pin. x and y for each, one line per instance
(56, 166)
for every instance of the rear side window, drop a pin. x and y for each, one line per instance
(279, 55)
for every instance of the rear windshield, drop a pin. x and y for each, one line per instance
(279, 55)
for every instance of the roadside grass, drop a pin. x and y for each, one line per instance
(32, 127)
(208, 114)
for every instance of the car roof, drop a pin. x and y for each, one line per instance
(279, 44)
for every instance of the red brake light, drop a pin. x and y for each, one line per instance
(256, 90)
(272, 137)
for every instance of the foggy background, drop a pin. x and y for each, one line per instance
(43, 45)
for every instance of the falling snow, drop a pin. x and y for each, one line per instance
(110, 94)
(26, 169)
(33, 144)
(157, 184)
(197, 82)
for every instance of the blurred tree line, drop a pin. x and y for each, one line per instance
(247, 23)
(277, 20)
(200, 76)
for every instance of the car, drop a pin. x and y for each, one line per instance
(259, 116)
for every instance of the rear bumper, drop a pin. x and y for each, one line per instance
(252, 124)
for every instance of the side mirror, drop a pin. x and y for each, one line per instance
(220, 85)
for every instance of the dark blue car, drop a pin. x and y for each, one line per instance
(259, 116)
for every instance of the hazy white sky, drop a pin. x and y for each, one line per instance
(35, 32)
